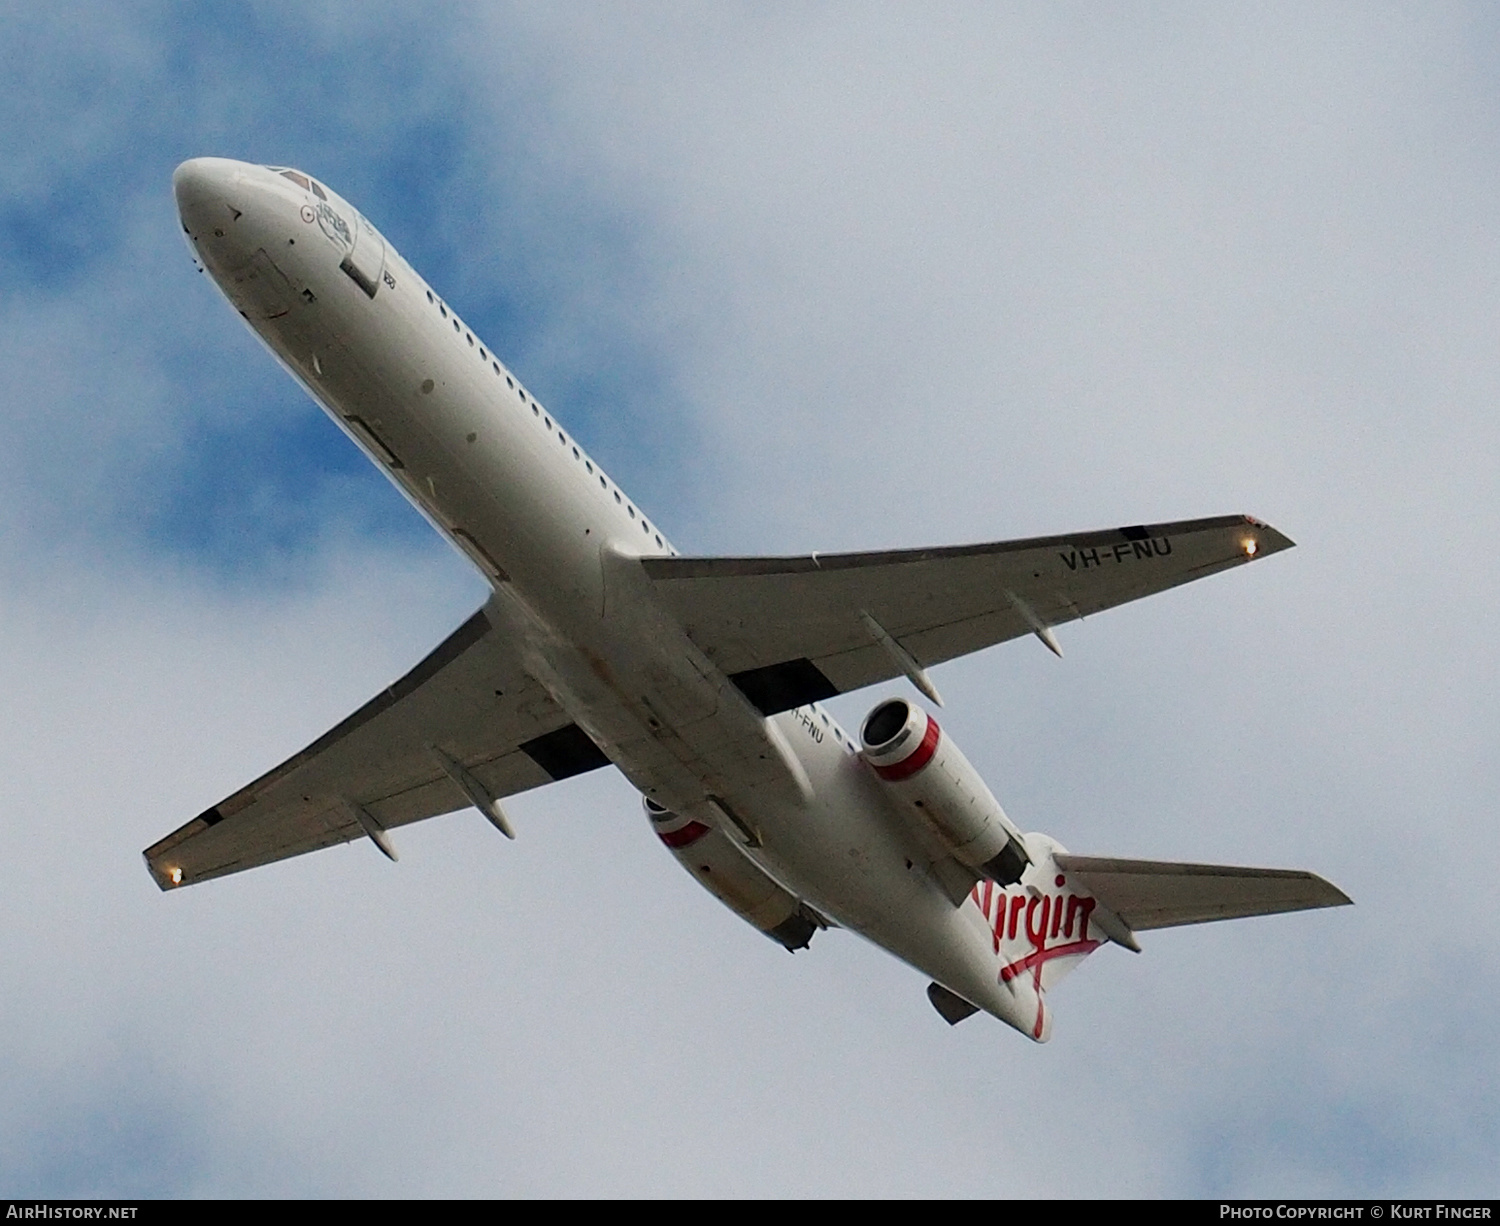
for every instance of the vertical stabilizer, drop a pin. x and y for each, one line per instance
(1042, 928)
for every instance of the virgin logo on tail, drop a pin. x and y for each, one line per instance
(1053, 925)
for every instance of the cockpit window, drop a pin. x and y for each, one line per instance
(317, 191)
(297, 177)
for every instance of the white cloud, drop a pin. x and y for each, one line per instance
(919, 277)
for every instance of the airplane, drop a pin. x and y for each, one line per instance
(702, 679)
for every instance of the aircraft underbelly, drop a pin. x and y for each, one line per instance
(593, 634)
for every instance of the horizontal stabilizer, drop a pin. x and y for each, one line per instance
(1161, 894)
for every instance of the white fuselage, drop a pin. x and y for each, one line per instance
(493, 470)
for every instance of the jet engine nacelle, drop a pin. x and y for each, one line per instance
(937, 786)
(721, 868)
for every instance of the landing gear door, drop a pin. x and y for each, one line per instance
(366, 259)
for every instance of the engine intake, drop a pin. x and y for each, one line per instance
(721, 868)
(938, 787)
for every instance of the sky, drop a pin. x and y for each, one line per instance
(801, 277)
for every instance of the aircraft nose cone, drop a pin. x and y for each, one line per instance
(203, 188)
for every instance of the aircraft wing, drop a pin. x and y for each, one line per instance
(469, 711)
(789, 631)
(1156, 894)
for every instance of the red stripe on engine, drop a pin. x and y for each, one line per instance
(684, 836)
(920, 757)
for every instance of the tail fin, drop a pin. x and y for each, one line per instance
(1042, 928)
